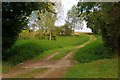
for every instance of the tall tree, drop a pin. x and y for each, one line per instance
(46, 22)
(73, 19)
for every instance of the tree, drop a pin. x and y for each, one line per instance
(104, 17)
(66, 29)
(14, 18)
(111, 30)
(46, 23)
(73, 18)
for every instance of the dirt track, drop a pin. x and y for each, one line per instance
(56, 69)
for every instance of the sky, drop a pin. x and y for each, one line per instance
(66, 5)
(63, 6)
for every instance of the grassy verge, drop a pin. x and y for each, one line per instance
(31, 74)
(93, 51)
(5, 68)
(94, 61)
(105, 68)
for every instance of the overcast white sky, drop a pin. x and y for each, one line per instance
(66, 5)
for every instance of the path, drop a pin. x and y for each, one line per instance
(55, 69)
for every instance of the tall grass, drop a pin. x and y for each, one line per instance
(93, 51)
(94, 61)
(27, 49)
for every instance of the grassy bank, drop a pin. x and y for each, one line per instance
(28, 49)
(93, 51)
(105, 68)
(31, 73)
(94, 61)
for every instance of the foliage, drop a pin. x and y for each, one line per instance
(103, 18)
(66, 29)
(46, 23)
(93, 22)
(72, 14)
(32, 35)
(72, 19)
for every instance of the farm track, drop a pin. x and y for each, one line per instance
(55, 68)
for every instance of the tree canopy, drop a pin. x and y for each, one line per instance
(104, 19)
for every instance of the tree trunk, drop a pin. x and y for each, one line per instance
(50, 36)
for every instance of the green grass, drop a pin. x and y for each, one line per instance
(45, 53)
(28, 49)
(93, 51)
(64, 51)
(0, 67)
(94, 61)
(105, 68)
(31, 73)
(5, 68)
